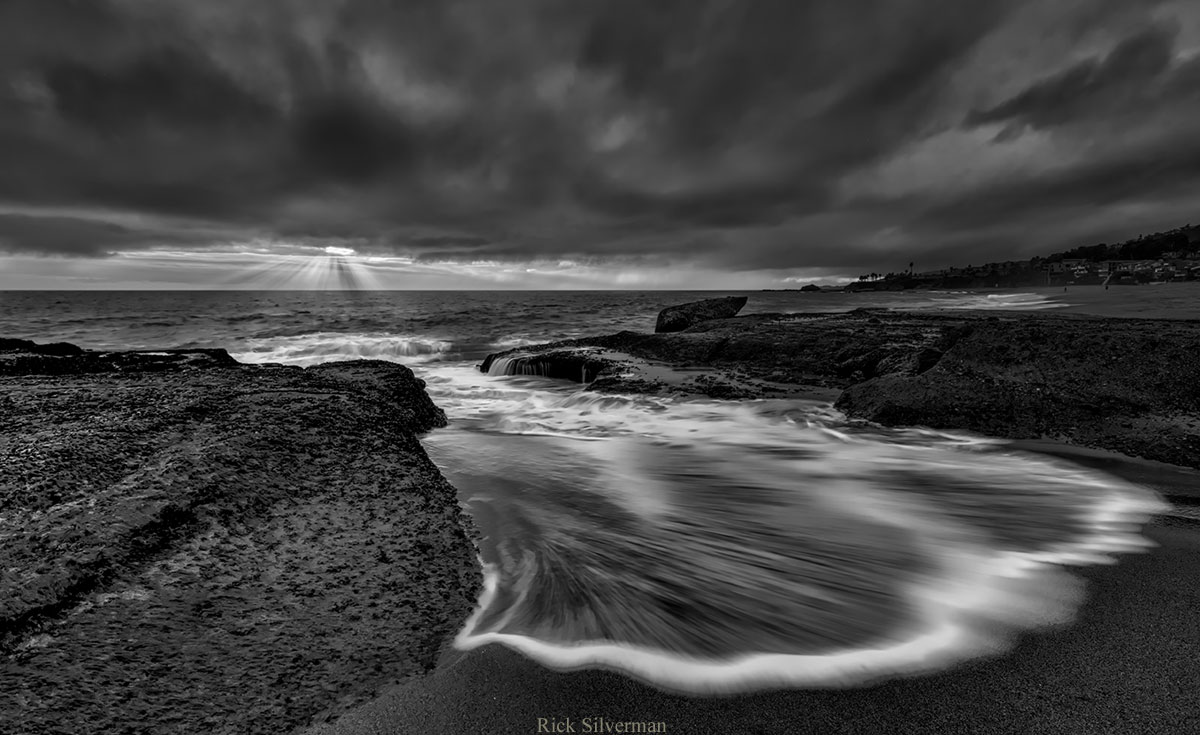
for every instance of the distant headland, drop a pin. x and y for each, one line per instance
(1173, 255)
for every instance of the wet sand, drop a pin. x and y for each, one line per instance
(1129, 664)
(1148, 301)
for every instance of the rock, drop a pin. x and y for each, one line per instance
(277, 534)
(26, 346)
(578, 365)
(1116, 384)
(570, 365)
(810, 288)
(908, 362)
(679, 318)
(1123, 385)
(824, 350)
(21, 357)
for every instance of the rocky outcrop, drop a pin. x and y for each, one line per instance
(683, 316)
(28, 347)
(1119, 384)
(200, 539)
(66, 359)
(1125, 385)
(824, 350)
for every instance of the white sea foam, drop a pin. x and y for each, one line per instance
(995, 531)
(312, 349)
(510, 341)
(992, 301)
(967, 617)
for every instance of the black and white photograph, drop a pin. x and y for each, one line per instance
(718, 367)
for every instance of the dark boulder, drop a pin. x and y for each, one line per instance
(679, 318)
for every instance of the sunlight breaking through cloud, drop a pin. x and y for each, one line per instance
(282, 265)
(334, 271)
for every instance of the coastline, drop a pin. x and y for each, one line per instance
(1125, 664)
(496, 690)
(372, 367)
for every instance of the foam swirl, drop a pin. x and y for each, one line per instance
(717, 547)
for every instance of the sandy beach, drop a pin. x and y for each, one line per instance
(1129, 664)
(1152, 301)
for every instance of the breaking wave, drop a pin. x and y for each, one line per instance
(311, 349)
(722, 547)
(991, 301)
(514, 340)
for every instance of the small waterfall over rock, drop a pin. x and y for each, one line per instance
(576, 367)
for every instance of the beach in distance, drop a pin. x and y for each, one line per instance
(782, 523)
(1150, 301)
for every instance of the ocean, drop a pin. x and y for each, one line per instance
(700, 545)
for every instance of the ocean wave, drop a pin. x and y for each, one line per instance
(311, 349)
(510, 341)
(998, 301)
(707, 546)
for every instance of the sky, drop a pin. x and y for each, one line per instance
(582, 143)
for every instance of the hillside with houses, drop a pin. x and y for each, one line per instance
(1173, 255)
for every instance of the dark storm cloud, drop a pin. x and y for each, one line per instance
(72, 236)
(730, 206)
(463, 243)
(473, 129)
(746, 67)
(1123, 81)
(99, 111)
(346, 140)
(1164, 171)
(162, 88)
(60, 236)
